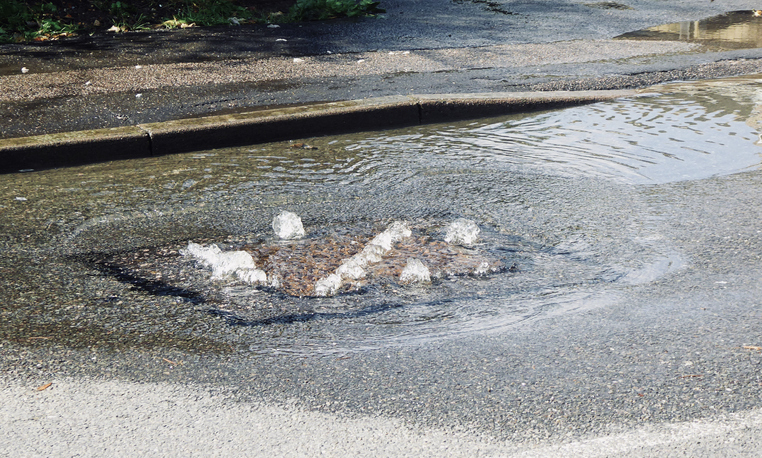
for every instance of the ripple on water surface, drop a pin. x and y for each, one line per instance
(563, 199)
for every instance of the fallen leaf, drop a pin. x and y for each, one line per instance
(44, 387)
(752, 347)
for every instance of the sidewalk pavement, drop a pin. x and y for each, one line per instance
(138, 94)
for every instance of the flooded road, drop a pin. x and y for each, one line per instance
(631, 229)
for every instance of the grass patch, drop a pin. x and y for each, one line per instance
(213, 12)
(20, 21)
(53, 19)
(321, 10)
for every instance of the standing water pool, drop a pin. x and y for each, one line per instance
(565, 204)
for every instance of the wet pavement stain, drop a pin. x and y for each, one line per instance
(495, 7)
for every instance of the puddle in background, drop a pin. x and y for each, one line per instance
(733, 30)
(566, 196)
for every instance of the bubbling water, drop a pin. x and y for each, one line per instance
(415, 272)
(462, 232)
(568, 209)
(379, 261)
(288, 226)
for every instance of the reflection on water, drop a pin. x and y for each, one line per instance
(695, 132)
(734, 30)
(565, 196)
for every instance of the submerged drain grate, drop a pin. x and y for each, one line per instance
(297, 267)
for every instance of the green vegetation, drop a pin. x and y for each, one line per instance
(320, 10)
(53, 19)
(20, 22)
(211, 12)
(124, 16)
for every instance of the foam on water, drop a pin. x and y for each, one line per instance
(462, 232)
(288, 226)
(353, 268)
(415, 272)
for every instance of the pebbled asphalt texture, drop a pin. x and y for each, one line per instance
(417, 47)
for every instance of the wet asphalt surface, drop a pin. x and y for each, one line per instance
(680, 348)
(669, 350)
(350, 59)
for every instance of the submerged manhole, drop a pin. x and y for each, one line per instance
(348, 262)
(733, 30)
(330, 262)
(456, 285)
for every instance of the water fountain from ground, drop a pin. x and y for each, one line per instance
(331, 265)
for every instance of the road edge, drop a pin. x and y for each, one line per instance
(276, 124)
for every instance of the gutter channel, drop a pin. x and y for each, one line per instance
(194, 134)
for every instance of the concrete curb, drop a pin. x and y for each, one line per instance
(221, 131)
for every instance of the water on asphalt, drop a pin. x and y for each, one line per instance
(732, 30)
(563, 200)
